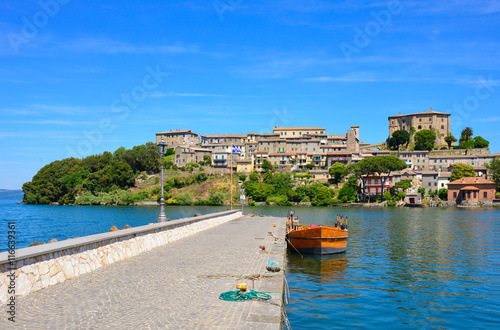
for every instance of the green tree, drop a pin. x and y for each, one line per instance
(401, 137)
(323, 196)
(449, 140)
(153, 159)
(267, 166)
(425, 139)
(387, 195)
(405, 184)
(348, 193)
(170, 151)
(337, 171)
(462, 171)
(421, 190)
(242, 177)
(392, 143)
(479, 142)
(310, 166)
(466, 135)
(494, 169)
(282, 183)
(254, 176)
(443, 194)
(207, 159)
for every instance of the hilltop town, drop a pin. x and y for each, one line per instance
(316, 150)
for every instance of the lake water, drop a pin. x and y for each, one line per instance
(404, 268)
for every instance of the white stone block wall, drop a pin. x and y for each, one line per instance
(41, 271)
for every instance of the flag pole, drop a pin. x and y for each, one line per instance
(231, 176)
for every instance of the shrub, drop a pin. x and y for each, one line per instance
(279, 200)
(217, 198)
(347, 194)
(401, 195)
(175, 167)
(144, 176)
(443, 194)
(251, 202)
(171, 201)
(336, 201)
(387, 195)
(391, 203)
(242, 177)
(306, 199)
(184, 198)
(421, 190)
(254, 176)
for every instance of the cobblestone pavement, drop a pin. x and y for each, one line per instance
(176, 286)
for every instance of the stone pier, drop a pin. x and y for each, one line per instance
(175, 286)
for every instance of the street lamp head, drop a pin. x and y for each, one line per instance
(162, 147)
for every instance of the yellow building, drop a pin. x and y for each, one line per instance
(244, 165)
(439, 122)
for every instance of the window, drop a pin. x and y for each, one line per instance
(430, 119)
(485, 194)
(442, 185)
(430, 126)
(435, 184)
(454, 194)
(429, 184)
(420, 119)
(419, 126)
(442, 126)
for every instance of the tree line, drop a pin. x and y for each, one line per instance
(63, 180)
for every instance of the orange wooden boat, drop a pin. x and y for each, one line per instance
(317, 239)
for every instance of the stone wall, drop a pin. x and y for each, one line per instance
(41, 266)
(461, 152)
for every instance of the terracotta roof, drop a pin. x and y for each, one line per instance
(224, 136)
(178, 132)
(262, 152)
(297, 128)
(338, 153)
(469, 188)
(471, 180)
(337, 136)
(431, 112)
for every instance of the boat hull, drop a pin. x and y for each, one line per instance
(318, 240)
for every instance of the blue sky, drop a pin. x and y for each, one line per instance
(83, 77)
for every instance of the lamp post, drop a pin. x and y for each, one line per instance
(242, 198)
(162, 149)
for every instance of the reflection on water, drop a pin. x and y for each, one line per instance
(320, 268)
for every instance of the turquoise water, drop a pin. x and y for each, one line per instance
(404, 268)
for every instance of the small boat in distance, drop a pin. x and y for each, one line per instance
(317, 239)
